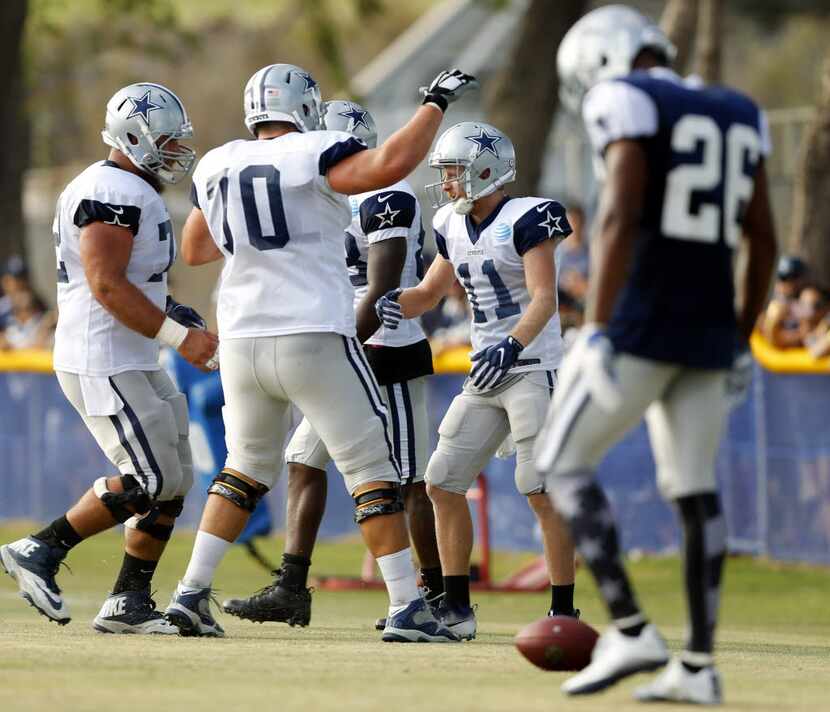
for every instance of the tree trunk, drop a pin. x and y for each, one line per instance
(811, 208)
(525, 94)
(679, 21)
(14, 132)
(710, 37)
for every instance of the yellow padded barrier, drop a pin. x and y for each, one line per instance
(31, 360)
(786, 360)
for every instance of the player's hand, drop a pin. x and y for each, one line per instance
(447, 87)
(388, 310)
(739, 377)
(199, 348)
(186, 316)
(491, 364)
(597, 364)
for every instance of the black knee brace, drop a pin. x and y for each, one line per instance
(150, 524)
(236, 490)
(376, 502)
(123, 505)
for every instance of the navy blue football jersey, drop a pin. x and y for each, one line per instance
(704, 144)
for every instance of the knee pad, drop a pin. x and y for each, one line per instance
(123, 505)
(149, 523)
(440, 473)
(385, 499)
(528, 479)
(236, 490)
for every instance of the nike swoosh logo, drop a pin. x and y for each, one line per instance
(544, 206)
(120, 211)
(384, 198)
(56, 603)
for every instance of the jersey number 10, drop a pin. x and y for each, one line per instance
(711, 173)
(264, 213)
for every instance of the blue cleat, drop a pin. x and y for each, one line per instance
(33, 564)
(189, 611)
(417, 624)
(132, 612)
(461, 620)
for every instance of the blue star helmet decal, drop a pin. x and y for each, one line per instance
(142, 107)
(485, 142)
(357, 116)
(309, 80)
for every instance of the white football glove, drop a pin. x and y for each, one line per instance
(447, 87)
(597, 366)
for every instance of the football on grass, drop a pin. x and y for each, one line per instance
(557, 643)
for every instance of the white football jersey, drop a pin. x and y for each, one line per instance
(488, 262)
(89, 341)
(382, 215)
(280, 227)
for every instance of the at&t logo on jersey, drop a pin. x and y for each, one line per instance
(502, 232)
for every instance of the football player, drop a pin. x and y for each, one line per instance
(684, 181)
(502, 250)
(275, 209)
(383, 251)
(114, 243)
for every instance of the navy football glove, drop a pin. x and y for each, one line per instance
(448, 86)
(491, 364)
(388, 310)
(186, 316)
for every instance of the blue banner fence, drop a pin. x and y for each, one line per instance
(774, 466)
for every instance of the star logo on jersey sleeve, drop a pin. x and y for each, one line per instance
(357, 116)
(551, 224)
(485, 143)
(142, 107)
(387, 217)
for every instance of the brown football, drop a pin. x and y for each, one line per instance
(557, 643)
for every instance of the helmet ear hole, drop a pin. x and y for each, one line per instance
(485, 174)
(306, 110)
(132, 139)
(603, 60)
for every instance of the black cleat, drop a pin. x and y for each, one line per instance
(33, 564)
(273, 603)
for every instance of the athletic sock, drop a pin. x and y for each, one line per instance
(581, 501)
(208, 552)
(398, 573)
(135, 574)
(457, 590)
(562, 600)
(59, 535)
(433, 581)
(704, 549)
(294, 572)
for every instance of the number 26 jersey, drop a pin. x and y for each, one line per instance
(487, 259)
(280, 228)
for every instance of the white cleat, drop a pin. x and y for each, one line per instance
(677, 684)
(617, 656)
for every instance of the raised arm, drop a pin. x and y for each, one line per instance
(401, 153)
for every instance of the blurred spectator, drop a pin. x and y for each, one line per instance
(814, 310)
(571, 317)
(448, 325)
(780, 323)
(573, 257)
(25, 321)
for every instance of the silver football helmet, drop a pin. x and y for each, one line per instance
(142, 119)
(485, 157)
(603, 45)
(341, 115)
(282, 92)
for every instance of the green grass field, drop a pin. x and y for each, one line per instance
(774, 650)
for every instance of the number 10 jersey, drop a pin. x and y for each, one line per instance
(280, 228)
(487, 259)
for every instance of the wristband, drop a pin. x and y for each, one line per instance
(172, 333)
(438, 100)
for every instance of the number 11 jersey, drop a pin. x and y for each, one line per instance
(487, 259)
(280, 228)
